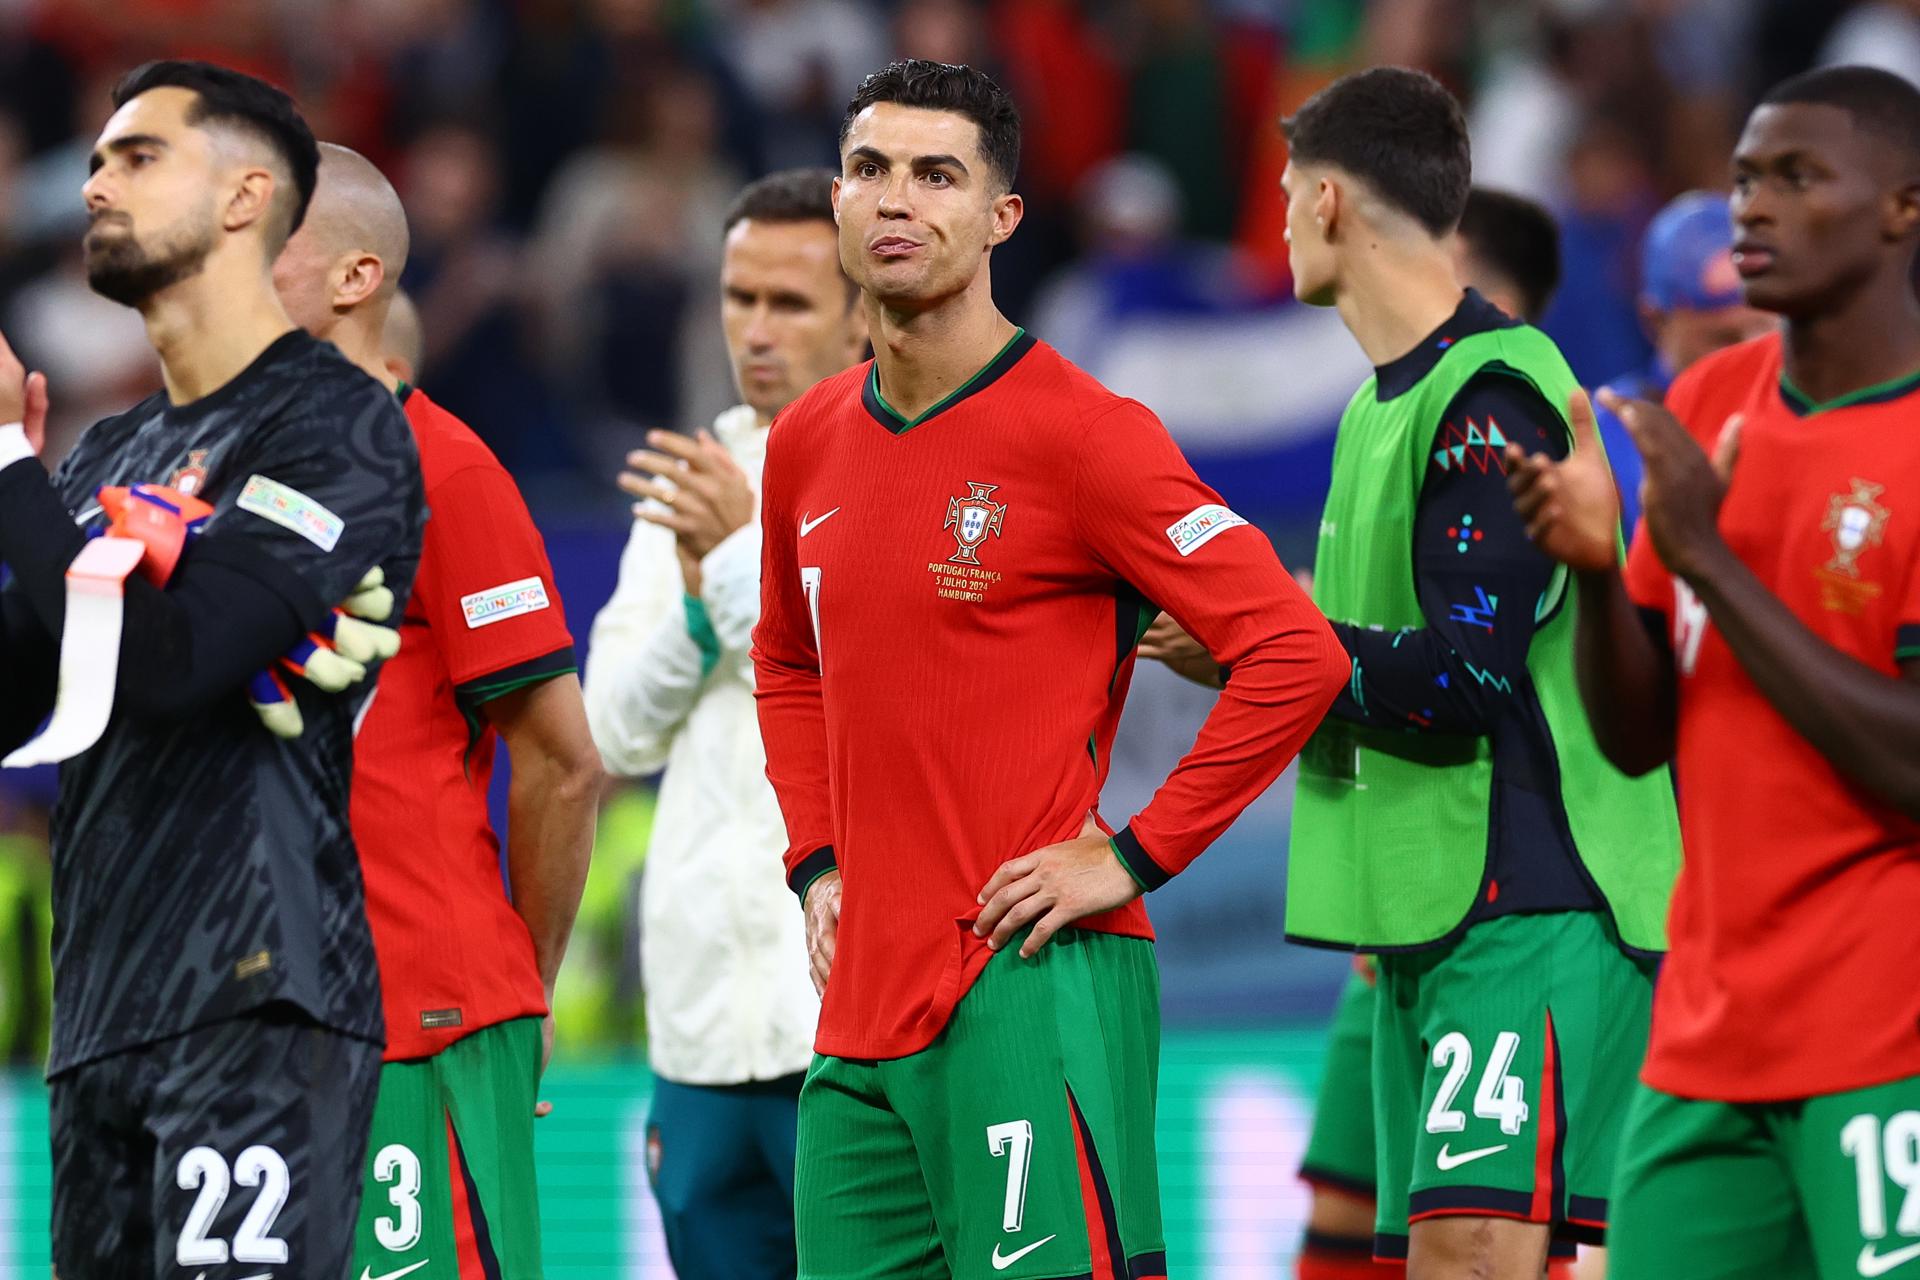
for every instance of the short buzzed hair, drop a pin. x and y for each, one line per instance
(1397, 130)
(1880, 102)
(791, 195)
(247, 103)
(1515, 238)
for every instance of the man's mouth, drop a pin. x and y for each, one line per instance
(1751, 259)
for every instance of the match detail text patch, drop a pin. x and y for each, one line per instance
(291, 509)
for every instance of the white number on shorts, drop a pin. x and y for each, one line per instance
(1500, 1096)
(261, 1167)
(397, 1164)
(1014, 1139)
(205, 1168)
(1879, 1156)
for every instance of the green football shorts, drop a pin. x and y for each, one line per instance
(450, 1192)
(1340, 1152)
(1825, 1187)
(1504, 1063)
(1018, 1145)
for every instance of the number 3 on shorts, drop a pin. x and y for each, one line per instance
(397, 1164)
(1500, 1096)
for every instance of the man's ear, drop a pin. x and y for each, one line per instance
(251, 199)
(356, 276)
(1903, 214)
(1007, 212)
(1329, 203)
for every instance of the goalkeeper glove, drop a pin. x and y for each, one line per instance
(333, 658)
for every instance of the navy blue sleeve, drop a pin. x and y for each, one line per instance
(29, 657)
(1480, 581)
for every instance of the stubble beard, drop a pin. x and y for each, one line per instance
(127, 272)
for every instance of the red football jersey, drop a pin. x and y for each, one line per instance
(949, 615)
(1792, 931)
(484, 619)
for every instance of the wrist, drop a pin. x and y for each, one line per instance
(14, 445)
(1703, 565)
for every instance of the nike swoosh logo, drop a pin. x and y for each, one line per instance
(1447, 1160)
(86, 517)
(1000, 1263)
(1873, 1264)
(366, 1273)
(808, 526)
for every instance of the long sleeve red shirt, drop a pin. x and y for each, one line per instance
(949, 613)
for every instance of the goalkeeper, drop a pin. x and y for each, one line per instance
(217, 1028)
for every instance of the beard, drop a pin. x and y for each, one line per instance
(128, 272)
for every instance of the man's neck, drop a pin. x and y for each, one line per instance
(358, 336)
(206, 330)
(1393, 297)
(1873, 338)
(923, 357)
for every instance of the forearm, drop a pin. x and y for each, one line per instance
(552, 805)
(29, 660)
(638, 695)
(181, 649)
(1865, 722)
(1275, 696)
(1416, 680)
(1626, 675)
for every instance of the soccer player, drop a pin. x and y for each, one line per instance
(1508, 248)
(1453, 814)
(217, 1028)
(731, 1010)
(960, 540)
(1691, 306)
(1766, 636)
(466, 975)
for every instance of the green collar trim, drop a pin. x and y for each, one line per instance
(887, 416)
(1879, 393)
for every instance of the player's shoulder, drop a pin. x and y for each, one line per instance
(1077, 399)
(447, 445)
(1728, 374)
(825, 401)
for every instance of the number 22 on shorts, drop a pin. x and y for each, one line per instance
(206, 1169)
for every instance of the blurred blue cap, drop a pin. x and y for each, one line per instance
(1686, 260)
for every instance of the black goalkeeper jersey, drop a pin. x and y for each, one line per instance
(202, 867)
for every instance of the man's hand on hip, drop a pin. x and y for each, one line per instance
(822, 909)
(1050, 888)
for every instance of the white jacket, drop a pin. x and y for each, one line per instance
(723, 945)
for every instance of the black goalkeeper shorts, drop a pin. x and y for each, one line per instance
(233, 1152)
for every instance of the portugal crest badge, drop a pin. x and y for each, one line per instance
(972, 518)
(188, 479)
(1857, 521)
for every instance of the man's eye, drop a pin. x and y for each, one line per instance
(938, 179)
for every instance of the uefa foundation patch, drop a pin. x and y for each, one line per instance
(497, 604)
(1195, 529)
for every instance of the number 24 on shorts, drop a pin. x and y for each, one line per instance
(1500, 1096)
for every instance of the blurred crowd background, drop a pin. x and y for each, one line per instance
(565, 163)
